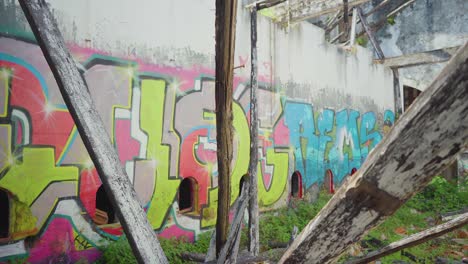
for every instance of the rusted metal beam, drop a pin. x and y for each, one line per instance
(96, 139)
(254, 241)
(422, 143)
(414, 240)
(226, 12)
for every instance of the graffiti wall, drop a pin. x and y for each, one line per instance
(319, 120)
(161, 121)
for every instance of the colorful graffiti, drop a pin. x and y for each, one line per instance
(161, 121)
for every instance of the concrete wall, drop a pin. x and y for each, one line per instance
(149, 67)
(425, 25)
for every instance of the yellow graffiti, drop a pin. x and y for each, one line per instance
(279, 178)
(240, 167)
(5, 75)
(6, 157)
(29, 178)
(153, 95)
(22, 221)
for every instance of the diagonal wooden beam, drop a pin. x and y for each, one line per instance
(415, 59)
(119, 189)
(414, 240)
(421, 144)
(370, 34)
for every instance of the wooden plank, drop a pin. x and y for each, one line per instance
(414, 240)
(378, 7)
(382, 22)
(352, 40)
(344, 23)
(300, 10)
(231, 248)
(421, 144)
(262, 4)
(415, 59)
(119, 189)
(211, 254)
(254, 240)
(370, 34)
(225, 35)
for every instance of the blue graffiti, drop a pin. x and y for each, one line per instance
(339, 142)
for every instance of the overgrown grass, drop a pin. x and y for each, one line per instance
(275, 226)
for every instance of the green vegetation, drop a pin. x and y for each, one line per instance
(275, 226)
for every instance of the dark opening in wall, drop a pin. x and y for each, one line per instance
(241, 184)
(409, 95)
(296, 185)
(188, 191)
(105, 213)
(4, 214)
(329, 184)
(353, 171)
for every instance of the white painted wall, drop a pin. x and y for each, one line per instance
(162, 32)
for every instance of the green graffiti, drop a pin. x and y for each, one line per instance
(153, 95)
(29, 178)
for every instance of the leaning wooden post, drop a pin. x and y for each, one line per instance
(254, 244)
(141, 236)
(370, 34)
(414, 240)
(421, 144)
(226, 11)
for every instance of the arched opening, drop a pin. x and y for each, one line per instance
(329, 184)
(4, 215)
(353, 170)
(409, 95)
(105, 213)
(296, 185)
(188, 191)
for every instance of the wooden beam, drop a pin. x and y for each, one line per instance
(382, 22)
(226, 12)
(414, 240)
(370, 34)
(421, 144)
(301, 10)
(231, 248)
(344, 23)
(254, 241)
(352, 39)
(262, 4)
(119, 189)
(415, 59)
(397, 100)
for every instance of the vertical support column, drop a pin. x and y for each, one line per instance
(344, 24)
(141, 236)
(226, 12)
(253, 202)
(397, 93)
(352, 39)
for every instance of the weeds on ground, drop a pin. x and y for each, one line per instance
(275, 226)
